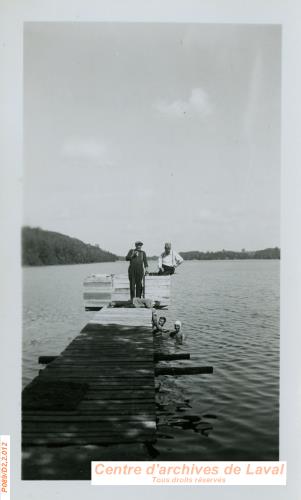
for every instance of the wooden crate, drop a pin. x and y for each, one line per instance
(121, 287)
(97, 291)
(157, 288)
(101, 289)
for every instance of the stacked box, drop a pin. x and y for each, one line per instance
(101, 289)
(97, 291)
(121, 287)
(157, 288)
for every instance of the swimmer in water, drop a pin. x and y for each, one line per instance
(177, 334)
(159, 327)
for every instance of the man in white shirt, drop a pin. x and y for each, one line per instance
(169, 260)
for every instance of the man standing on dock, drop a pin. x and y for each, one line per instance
(169, 260)
(137, 268)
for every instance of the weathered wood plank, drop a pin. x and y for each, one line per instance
(161, 356)
(102, 427)
(145, 416)
(187, 370)
(114, 408)
(30, 440)
(114, 356)
(96, 378)
(85, 374)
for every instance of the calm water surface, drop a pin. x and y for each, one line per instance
(230, 315)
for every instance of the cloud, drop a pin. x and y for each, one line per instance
(86, 150)
(198, 104)
(218, 217)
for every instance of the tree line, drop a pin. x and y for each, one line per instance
(40, 247)
(267, 253)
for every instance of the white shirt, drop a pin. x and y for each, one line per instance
(172, 259)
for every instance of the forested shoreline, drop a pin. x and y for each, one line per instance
(40, 248)
(267, 253)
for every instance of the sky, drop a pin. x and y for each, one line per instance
(157, 132)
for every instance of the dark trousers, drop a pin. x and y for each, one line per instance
(167, 270)
(136, 282)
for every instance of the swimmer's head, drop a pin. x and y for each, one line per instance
(162, 321)
(178, 325)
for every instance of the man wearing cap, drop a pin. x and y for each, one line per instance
(137, 268)
(169, 260)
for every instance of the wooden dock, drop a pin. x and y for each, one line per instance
(100, 390)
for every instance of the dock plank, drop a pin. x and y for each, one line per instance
(113, 355)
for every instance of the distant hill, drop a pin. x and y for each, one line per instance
(267, 253)
(40, 247)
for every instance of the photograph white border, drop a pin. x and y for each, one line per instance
(12, 16)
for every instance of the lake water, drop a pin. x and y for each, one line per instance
(230, 315)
